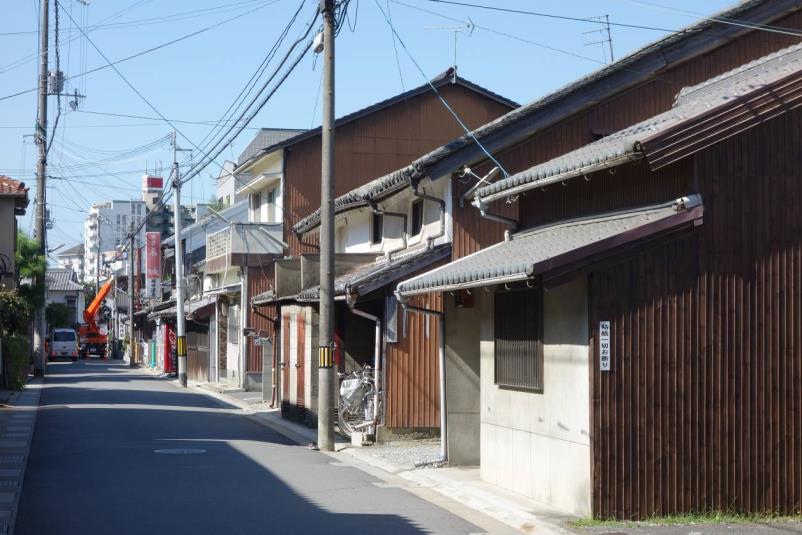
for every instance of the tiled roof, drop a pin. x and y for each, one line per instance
(365, 279)
(527, 118)
(266, 137)
(61, 280)
(626, 144)
(641, 64)
(539, 250)
(9, 186)
(72, 251)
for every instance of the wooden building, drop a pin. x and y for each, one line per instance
(648, 315)
(284, 187)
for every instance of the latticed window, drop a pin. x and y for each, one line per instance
(519, 339)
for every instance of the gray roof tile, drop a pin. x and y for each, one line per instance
(62, 280)
(691, 102)
(514, 259)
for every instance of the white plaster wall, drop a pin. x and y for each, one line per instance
(357, 223)
(233, 350)
(539, 444)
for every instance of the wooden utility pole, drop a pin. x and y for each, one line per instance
(325, 419)
(180, 320)
(39, 359)
(131, 275)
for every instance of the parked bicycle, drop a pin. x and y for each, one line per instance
(356, 409)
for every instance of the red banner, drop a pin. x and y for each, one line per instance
(153, 257)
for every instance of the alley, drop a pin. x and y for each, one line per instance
(120, 451)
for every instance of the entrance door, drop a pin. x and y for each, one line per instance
(285, 368)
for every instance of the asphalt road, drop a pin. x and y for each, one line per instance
(118, 451)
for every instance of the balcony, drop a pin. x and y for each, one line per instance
(243, 244)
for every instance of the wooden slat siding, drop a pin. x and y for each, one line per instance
(300, 321)
(260, 279)
(702, 409)
(285, 359)
(471, 232)
(412, 390)
(376, 145)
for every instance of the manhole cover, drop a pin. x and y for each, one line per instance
(180, 451)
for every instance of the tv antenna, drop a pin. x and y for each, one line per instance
(466, 28)
(606, 40)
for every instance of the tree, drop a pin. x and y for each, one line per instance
(31, 265)
(15, 314)
(57, 315)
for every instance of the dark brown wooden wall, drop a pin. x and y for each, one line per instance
(703, 407)
(260, 279)
(413, 387)
(377, 144)
(472, 232)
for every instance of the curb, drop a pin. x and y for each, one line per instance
(24, 402)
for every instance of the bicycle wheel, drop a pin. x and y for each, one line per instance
(346, 419)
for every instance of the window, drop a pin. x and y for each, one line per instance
(256, 203)
(519, 339)
(64, 336)
(417, 217)
(271, 206)
(376, 229)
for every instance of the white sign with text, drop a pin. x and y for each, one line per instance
(604, 346)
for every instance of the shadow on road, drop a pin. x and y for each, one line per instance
(95, 470)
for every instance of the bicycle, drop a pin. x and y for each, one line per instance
(356, 408)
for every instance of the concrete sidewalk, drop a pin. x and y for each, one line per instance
(461, 485)
(17, 423)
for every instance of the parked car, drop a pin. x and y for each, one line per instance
(63, 344)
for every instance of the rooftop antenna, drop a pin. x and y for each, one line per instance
(467, 28)
(606, 36)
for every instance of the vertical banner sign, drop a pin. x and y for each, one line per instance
(153, 265)
(604, 346)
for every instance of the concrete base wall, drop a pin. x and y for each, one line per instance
(463, 329)
(539, 444)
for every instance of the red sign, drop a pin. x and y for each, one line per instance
(152, 182)
(153, 257)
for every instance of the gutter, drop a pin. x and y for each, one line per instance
(403, 216)
(440, 233)
(481, 201)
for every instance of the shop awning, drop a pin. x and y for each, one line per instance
(190, 308)
(537, 251)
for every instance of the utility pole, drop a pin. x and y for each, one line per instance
(39, 360)
(180, 327)
(131, 273)
(325, 419)
(97, 260)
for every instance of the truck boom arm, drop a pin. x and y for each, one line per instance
(91, 311)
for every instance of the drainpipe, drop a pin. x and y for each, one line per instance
(512, 223)
(441, 365)
(431, 239)
(376, 360)
(403, 216)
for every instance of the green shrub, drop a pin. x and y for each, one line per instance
(17, 361)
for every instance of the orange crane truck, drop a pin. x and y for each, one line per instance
(91, 340)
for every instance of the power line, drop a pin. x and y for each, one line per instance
(127, 82)
(723, 20)
(502, 34)
(267, 95)
(112, 64)
(439, 96)
(550, 15)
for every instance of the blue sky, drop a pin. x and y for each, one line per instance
(198, 78)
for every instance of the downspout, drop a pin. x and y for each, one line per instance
(512, 223)
(440, 233)
(403, 216)
(273, 375)
(441, 365)
(376, 361)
